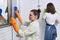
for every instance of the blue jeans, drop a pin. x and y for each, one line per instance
(50, 32)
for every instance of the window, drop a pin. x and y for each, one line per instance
(5, 12)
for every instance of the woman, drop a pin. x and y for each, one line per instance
(32, 32)
(51, 18)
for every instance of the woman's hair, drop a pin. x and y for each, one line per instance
(36, 12)
(50, 8)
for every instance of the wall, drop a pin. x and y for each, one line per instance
(6, 33)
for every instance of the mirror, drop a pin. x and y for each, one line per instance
(5, 12)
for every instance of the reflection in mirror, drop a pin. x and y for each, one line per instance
(2, 19)
(3, 13)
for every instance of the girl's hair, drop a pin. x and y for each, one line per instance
(36, 12)
(50, 8)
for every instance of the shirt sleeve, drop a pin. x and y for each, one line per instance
(27, 32)
(25, 23)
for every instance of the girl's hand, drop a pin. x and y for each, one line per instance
(57, 21)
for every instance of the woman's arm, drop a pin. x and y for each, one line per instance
(27, 32)
(19, 16)
(14, 24)
(20, 19)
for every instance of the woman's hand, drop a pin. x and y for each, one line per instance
(14, 24)
(19, 16)
(12, 20)
(17, 12)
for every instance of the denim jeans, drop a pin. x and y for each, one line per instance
(50, 32)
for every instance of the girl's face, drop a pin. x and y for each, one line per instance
(32, 17)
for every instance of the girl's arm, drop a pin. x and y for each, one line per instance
(57, 21)
(44, 16)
